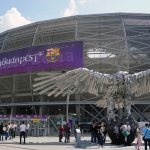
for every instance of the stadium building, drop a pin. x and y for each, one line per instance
(111, 42)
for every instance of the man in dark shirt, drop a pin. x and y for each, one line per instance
(1, 132)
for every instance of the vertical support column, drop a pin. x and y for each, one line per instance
(77, 98)
(31, 87)
(126, 43)
(42, 109)
(67, 107)
(76, 29)
(34, 37)
(2, 108)
(3, 44)
(13, 109)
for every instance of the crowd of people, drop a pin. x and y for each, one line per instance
(8, 131)
(98, 133)
(142, 135)
(64, 131)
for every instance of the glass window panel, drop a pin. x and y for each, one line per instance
(63, 36)
(22, 99)
(5, 100)
(6, 84)
(22, 82)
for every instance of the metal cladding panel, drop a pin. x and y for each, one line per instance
(39, 58)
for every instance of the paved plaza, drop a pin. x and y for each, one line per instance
(51, 143)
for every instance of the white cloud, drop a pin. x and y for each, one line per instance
(11, 19)
(82, 2)
(75, 6)
(71, 10)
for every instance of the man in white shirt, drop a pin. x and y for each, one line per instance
(22, 131)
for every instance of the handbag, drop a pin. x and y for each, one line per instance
(144, 135)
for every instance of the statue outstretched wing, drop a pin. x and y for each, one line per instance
(140, 83)
(77, 81)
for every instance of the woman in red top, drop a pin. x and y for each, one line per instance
(61, 130)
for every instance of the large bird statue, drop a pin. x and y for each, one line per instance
(117, 88)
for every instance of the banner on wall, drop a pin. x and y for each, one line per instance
(67, 55)
(32, 117)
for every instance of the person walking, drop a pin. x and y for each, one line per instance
(116, 132)
(93, 132)
(10, 130)
(139, 139)
(61, 130)
(1, 131)
(76, 127)
(104, 130)
(100, 135)
(22, 131)
(146, 136)
(14, 126)
(125, 132)
(6, 131)
(27, 129)
(67, 133)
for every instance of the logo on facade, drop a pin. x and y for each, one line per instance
(53, 54)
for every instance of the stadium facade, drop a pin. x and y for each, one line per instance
(111, 42)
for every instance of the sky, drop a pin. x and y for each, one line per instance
(15, 13)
